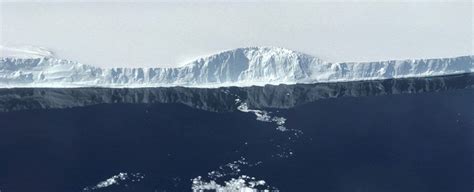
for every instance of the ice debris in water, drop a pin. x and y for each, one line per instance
(243, 183)
(226, 178)
(266, 117)
(232, 168)
(116, 180)
(261, 115)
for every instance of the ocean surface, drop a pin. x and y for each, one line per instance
(411, 135)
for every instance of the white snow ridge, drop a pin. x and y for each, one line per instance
(25, 52)
(237, 67)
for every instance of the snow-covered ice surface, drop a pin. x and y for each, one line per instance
(25, 52)
(37, 67)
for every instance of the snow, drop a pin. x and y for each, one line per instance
(37, 67)
(25, 52)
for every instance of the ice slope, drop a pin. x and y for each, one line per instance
(237, 67)
(25, 52)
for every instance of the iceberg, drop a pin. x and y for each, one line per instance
(250, 66)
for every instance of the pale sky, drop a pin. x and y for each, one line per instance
(158, 34)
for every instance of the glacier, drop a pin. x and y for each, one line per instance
(250, 66)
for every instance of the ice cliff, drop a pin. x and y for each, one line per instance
(237, 67)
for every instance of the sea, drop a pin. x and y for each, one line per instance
(394, 135)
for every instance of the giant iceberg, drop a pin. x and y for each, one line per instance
(238, 67)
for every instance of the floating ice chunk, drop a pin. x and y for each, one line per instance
(116, 180)
(242, 183)
(264, 116)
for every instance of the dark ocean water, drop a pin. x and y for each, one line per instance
(378, 136)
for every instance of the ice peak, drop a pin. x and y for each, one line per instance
(261, 50)
(254, 53)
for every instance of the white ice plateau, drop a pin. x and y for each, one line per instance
(238, 67)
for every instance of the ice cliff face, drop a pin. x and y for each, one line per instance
(238, 67)
(223, 99)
